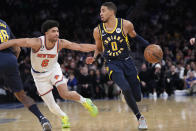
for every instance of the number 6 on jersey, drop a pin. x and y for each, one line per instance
(45, 63)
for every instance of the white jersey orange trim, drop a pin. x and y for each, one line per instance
(44, 59)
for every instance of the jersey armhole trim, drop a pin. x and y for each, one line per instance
(39, 48)
(58, 46)
(101, 36)
(122, 29)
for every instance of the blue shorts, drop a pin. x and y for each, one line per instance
(126, 66)
(126, 71)
(10, 72)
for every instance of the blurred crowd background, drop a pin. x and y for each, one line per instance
(168, 23)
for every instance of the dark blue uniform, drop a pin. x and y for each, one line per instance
(119, 64)
(8, 61)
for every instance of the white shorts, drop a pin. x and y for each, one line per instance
(45, 81)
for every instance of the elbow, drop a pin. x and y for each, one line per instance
(14, 43)
(99, 50)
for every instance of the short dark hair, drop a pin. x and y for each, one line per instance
(111, 6)
(48, 24)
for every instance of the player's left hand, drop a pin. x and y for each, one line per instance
(89, 60)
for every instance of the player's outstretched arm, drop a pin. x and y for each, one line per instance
(129, 28)
(75, 46)
(99, 49)
(23, 42)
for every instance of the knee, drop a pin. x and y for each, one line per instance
(53, 107)
(20, 96)
(24, 99)
(138, 98)
(65, 95)
(127, 93)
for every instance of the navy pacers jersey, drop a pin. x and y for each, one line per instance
(8, 65)
(5, 33)
(115, 43)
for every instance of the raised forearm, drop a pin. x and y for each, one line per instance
(87, 47)
(141, 40)
(96, 53)
(7, 44)
(23, 42)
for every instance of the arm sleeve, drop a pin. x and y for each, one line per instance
(139, 39)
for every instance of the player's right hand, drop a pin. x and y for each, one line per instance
(89, 60)
(192, 41)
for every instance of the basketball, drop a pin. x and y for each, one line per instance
(153, 53)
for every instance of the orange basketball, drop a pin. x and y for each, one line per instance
(153, 53)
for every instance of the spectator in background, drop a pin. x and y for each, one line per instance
(99, 85)
(191, 82)
(193, 67)
(155, 82)
(72, 82)
(180, 70)
(84, 85)
(145, 76)
(187, 69)
(172, 80)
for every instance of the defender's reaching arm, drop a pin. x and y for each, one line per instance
(33, 43)
(75, 46)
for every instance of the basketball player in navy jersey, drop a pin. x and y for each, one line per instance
(9, 71)
(111, 38)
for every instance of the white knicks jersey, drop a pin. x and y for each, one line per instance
(44, 59)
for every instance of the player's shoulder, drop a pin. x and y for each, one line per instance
(96, 30)
(3, 23)
(127, 22)
(40, 38)
(62, 40)
(34, 41)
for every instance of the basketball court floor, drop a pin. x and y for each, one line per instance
(173, 114)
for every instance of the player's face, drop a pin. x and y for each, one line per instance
(105, 13)
(53, 34)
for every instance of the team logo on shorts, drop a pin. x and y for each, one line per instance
(56, 77)
(118, 30)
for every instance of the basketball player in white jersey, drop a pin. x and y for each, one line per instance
(46, 70)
